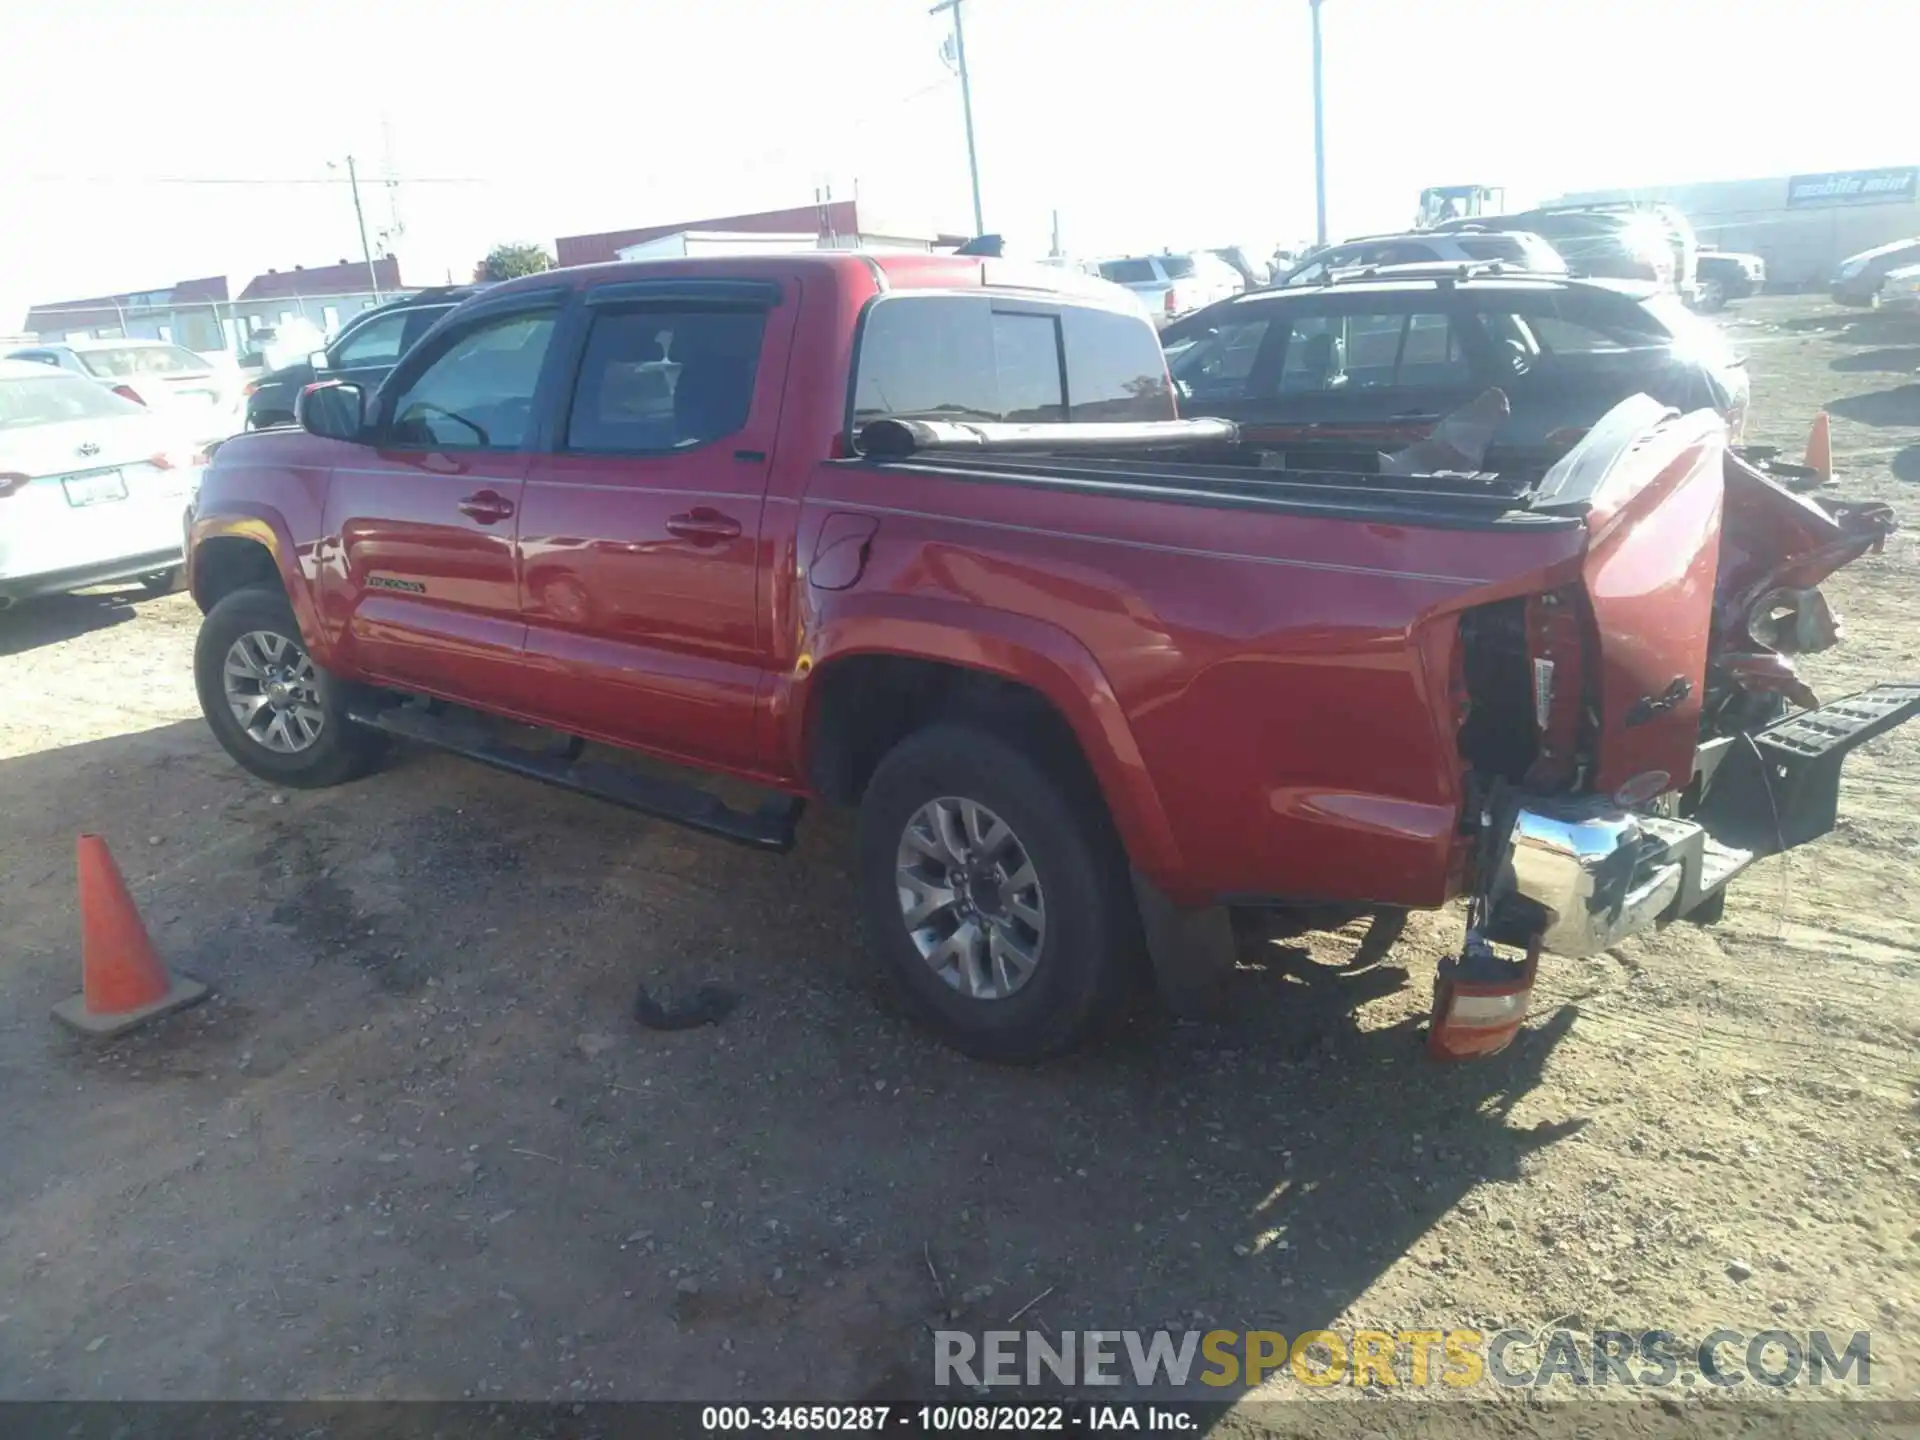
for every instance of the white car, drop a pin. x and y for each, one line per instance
(1171, 285)
(206, 395)
(93, 487)
(1901, 289)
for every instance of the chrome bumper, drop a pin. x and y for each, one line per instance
(1596, 873)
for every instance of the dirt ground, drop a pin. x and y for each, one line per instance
(417, 1147)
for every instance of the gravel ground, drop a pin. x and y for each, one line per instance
(416, 1147)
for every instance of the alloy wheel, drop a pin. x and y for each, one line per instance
(970, 898)
(273, 691)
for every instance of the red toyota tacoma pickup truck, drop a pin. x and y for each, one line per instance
(923, 535)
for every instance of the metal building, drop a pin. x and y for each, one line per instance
(1803, 226)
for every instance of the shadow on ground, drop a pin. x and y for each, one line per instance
(445, 1160)
(1897, 360)
(1860, 327)
(1898, 406)
(30, 624)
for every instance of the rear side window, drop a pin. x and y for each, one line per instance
(1370, 351)
(1129, 272)
(959, 357)
(661, 378)
(1583, 323)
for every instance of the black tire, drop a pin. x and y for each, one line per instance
(339, 752)
(161, 582)
(1086, 958)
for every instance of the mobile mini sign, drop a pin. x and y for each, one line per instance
(1854, 187)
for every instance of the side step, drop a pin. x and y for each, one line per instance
(769, 827)
(1783, 789)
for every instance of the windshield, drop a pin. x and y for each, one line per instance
(141, 360)
(53, 399)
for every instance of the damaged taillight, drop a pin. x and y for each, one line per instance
(1480, 999)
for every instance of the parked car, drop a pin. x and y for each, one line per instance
(1086, 700)
(1901, 289)
(1682, 242)
(1378, 357)
(204, 394)
(1171, 285)
(273, 347)
(1605, 244)
(1859, 278)
(1726, 276)
(1467, 245)
(93, 487)
(367, 347)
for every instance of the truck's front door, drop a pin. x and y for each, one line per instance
(427, 588)
(640, 531)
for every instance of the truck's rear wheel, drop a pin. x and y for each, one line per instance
(270, 706)
(997, 895)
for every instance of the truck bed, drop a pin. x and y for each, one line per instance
(1249, 480)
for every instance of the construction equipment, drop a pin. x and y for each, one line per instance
(1459, 202)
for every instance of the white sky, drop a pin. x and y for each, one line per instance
(1145, 125)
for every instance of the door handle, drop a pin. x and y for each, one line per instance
(703, 526)
(487, 507)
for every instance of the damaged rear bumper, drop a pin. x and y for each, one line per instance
(1583, 874)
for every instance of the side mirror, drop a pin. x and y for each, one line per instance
(332, 409)
(317, 360)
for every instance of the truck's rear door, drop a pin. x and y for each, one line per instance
(639, 534)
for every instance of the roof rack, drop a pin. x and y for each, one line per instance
(1445, 271)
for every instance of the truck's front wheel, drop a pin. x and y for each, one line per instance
(997, 896)
(270, 706)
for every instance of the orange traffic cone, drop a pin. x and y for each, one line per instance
(122, 980)
(1820, 448)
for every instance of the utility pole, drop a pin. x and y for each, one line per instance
(1319, 137)
(373, 275)
(966, 105)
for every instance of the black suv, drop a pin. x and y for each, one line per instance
(1372, 360)
(367, 347)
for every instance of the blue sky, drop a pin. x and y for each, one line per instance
(1145, 125)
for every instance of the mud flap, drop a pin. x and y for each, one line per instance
(1192, 951)
(1780, 787)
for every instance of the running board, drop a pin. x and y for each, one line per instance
(769, 827)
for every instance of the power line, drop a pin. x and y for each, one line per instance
(242, 180)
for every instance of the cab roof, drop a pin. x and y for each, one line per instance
(903, 270)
